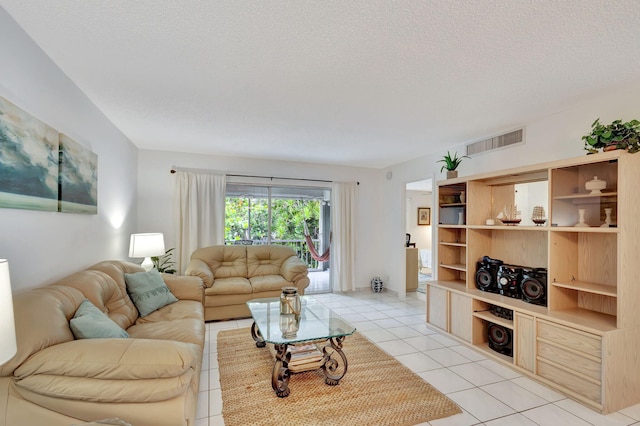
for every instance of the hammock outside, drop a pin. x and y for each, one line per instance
(312, 249)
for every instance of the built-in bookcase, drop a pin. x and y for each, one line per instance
(584, 341)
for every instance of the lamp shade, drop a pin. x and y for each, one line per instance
(8, 345)
(146, 245)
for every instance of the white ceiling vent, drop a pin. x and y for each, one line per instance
(501, 141)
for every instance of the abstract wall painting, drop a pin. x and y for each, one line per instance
(78, 180)
(42, 169)
(28, 161)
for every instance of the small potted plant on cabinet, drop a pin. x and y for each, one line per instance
(451, 163)
(617, 135)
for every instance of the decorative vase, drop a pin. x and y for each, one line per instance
(290, 301)
(607, 220)
(595, 186)
(463, 197)
(452, 174)
(460, 218)
(581, 220)
(290, 307)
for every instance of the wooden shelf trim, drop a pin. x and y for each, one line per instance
(583, 196)
(488, 316)
(445, 243)
(455, 266)
(604, 290)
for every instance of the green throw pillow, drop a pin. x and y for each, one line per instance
(90, 322)
(148, 291)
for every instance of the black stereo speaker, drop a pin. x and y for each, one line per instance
(500, 339)
(509, 277)
(533, 286)
(486, 274)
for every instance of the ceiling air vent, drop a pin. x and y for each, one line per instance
(501, 141)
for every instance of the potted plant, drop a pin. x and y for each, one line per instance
(617, 135)
(164, 263)
(451, 163)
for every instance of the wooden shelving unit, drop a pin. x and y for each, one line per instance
(583, 342)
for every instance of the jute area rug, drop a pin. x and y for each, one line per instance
(377, 389)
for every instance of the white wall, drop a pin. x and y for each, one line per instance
(156, 190)
(552, 137)
(44, 246)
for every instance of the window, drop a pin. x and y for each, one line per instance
(276, 215)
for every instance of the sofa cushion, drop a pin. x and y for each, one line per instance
(232, 285)
(267, 259)
(186, 330)
(90, 322)
(119, 371)
(224, 261)
(148, 291)
(268, 283)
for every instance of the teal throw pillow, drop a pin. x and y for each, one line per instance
(148, 291)
(90, 322)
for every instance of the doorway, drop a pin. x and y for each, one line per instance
(419, 215)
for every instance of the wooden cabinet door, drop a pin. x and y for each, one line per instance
(461, 316)
(438, 307)
(524, 350)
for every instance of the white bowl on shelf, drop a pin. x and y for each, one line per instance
(596, 185)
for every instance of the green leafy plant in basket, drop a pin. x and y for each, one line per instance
(164, 263)
(617, 135)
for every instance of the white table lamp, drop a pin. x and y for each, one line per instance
(146, 245)
(8, 346)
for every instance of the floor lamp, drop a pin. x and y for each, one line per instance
(8, 346)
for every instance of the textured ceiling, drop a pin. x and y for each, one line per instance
(366, 83)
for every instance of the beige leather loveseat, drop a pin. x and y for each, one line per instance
(232, 275)
(150, 378)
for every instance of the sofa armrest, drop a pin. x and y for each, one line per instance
(293, 269)
(185, 287)
(200, 269)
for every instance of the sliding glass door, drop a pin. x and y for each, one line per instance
(277, 215)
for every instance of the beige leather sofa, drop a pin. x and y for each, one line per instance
(148, 379)
(232, 275)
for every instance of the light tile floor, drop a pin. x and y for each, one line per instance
(487, 392)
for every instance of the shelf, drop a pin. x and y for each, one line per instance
(453, 204)
(456, 266)
(444, 243)
(579, 196)
(595, 322)
(604, 290)
(488, 316)
(451, 226)
(510, 228)
(594, 229)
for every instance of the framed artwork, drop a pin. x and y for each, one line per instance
(28, 161)
(424, 216)
(78, 181)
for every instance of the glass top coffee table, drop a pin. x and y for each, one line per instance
(309, 341)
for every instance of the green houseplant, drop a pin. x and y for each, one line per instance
(617, 135)
(164, 263)
(451, 163)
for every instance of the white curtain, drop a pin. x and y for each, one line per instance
(199, 212)
(343, 246)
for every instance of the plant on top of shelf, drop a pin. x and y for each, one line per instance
(451, 163)
(617, 135)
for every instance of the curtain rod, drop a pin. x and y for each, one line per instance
(175, 169)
